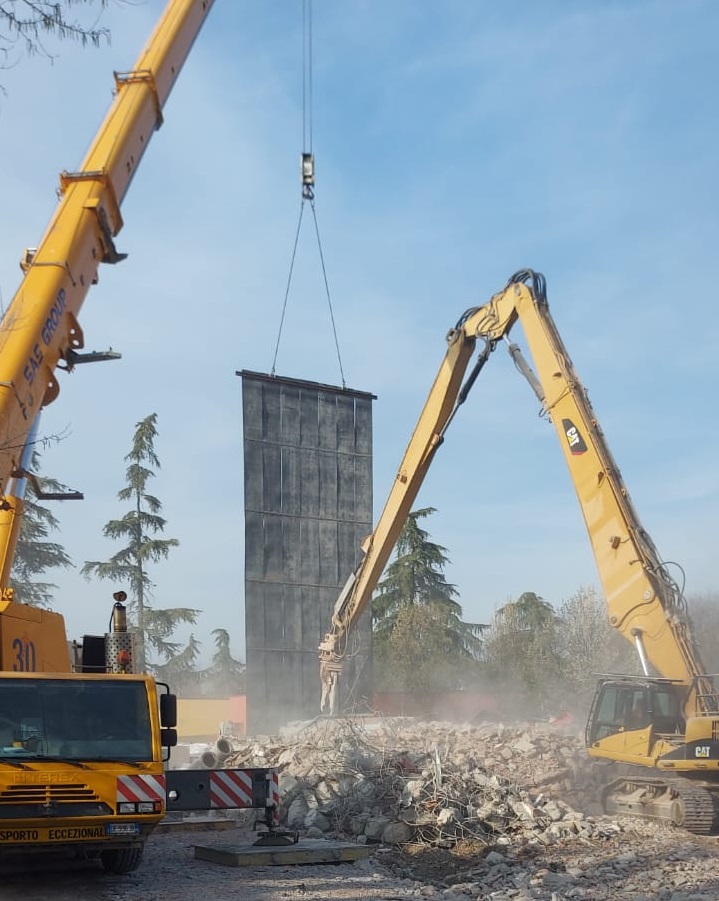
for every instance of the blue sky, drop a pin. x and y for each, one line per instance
(455, 143)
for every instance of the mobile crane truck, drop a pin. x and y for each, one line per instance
(661, 728)
(84, 742)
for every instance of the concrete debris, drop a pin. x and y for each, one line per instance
(399, 780)
(489, 811)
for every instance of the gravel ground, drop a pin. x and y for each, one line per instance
(636, 862)
(170, 872)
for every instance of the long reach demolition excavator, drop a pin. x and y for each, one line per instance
(660, 728)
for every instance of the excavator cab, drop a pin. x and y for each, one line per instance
(627, 704)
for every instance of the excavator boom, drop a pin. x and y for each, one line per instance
(668, 721)
(644, 603)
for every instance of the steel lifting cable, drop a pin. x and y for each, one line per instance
(307, 75)
(308, 184)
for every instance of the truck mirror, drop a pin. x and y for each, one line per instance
(168, 710)
(168, 738)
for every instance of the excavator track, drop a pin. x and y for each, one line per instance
(677, 802)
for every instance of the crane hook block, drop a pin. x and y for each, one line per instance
(308, 171)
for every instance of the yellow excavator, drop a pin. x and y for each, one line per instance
(662, 726)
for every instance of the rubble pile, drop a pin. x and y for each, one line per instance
(487, 811)
(401, 781)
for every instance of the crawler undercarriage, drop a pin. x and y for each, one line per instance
(689, 803)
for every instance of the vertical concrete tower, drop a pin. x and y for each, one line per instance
(308, 505)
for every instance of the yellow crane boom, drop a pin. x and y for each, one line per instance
(40, 330)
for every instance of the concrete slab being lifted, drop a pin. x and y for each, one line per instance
(304, 852)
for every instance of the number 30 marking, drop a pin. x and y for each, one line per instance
(24, 656)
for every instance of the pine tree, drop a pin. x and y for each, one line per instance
(25, 24)
(34, 554)
(226, 676)
(523, 651)
(420, 638)
(129, 566)
(179, 670)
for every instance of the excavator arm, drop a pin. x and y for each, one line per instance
(644, 603)
(446, 395)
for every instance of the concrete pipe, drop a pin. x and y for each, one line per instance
(209, 760)
(223, 749)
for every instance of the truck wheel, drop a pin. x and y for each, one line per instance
(122, 860)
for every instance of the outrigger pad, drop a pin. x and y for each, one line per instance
(278, 837)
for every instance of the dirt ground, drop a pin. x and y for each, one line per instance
(641, 863)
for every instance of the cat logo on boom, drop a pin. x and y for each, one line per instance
(577, 445)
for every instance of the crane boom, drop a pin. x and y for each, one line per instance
(40, 331)
(89, 714)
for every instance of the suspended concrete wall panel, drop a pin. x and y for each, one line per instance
(308, 505)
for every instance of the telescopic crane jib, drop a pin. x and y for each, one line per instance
(84, 743)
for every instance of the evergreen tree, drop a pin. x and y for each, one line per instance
(129, 566)
(179, 668)
(226, 676)
(523, 651)
(34, 554)
(25, 24)
(420, 638)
